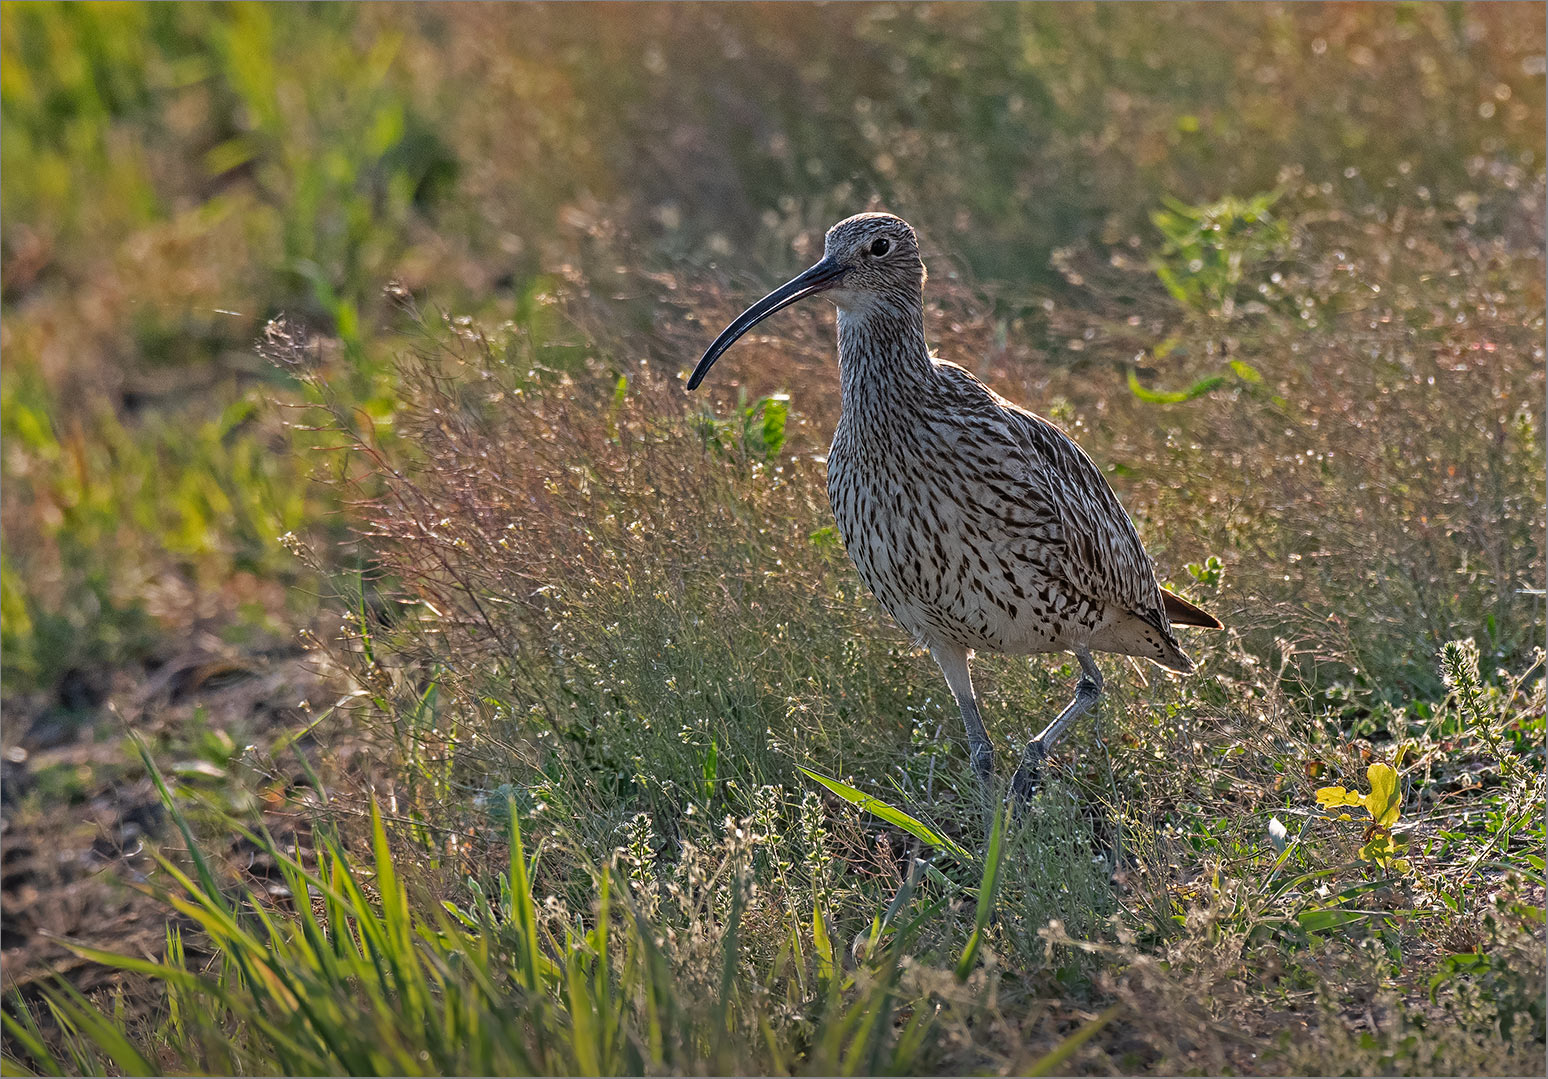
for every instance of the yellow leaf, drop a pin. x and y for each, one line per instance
(1384, 802)
(1337, 796)
(1384, 851)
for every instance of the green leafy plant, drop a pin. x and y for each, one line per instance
(756, 429)
(1208, 573)
(1383, 803)
(1211, 248)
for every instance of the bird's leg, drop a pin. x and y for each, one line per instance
(953, 661)
(1025, 782)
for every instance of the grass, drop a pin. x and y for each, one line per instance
(627, 772)
(343, 972)
(640, 707)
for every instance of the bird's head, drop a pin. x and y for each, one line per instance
(879, 254)
(869, 261)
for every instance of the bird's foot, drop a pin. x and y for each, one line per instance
(1029, 777)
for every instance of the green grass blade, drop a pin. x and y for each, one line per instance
(730, 951)
(583, 1017)
(206, 877)
(1051, 1063)
(401, 957)
(969, 954)
(875, 1015)
(1174, 397)
(612, 1020)
(919, 1027)
(821, 945)
(99, 1031)
(987, 886)
(523, 911)
(892, 815)
(23, 1029)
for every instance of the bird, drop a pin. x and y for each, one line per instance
(980, 526)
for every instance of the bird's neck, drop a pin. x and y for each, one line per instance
(882, 354)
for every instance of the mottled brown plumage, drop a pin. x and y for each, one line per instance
(977, 524)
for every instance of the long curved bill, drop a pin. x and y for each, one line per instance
(822, 276)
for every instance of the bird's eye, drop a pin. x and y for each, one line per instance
(881, 246)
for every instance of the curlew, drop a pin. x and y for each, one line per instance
(978, 525)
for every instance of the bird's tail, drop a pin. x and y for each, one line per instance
(1182, 613)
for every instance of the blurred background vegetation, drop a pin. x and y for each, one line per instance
(176, 176)
(1279, 267)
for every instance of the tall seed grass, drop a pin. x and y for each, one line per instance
(607, 605)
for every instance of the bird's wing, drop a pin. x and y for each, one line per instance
(1055, 507)
(1103, 553)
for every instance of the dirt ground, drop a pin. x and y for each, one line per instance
(77, 809)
